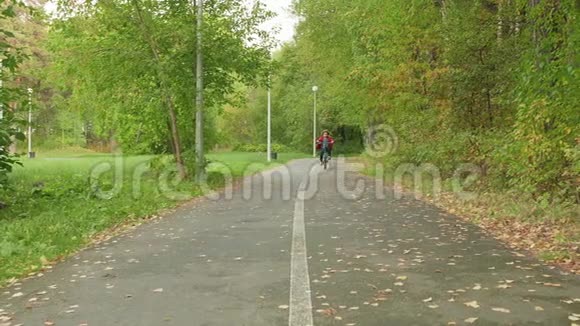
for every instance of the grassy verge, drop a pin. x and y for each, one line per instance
(551, 231)
(51, 209)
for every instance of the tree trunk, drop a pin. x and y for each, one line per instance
(499, 21)
(199, 136)
(489, 107)
(443, 5)
(166, 92)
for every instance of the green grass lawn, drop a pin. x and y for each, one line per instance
(51, 210)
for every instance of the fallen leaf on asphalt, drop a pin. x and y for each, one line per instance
(471, 320)
(158, 290)
(503, 286)
(329, 312)
(428, 300)
(48, 323)
(399, 284)
(283, 307)
(401, 278)
(16, 295)
(504, 310)
(553, 284)
(353, 308)
(538, 308)
(472, 304)
(433, 306)
(477, 287)
(574, 317)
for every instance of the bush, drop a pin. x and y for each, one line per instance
(349, 148)
(261, 148)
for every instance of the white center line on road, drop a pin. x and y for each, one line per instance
(300, 296)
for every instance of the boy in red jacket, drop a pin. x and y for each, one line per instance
(325, 142)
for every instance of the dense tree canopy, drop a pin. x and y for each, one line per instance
(129, 67)
(490, 82)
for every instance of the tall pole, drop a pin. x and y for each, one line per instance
(314, 90)
(269, 121)
(29, 123)
(199, 150)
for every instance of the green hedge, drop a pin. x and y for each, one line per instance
(261, 148)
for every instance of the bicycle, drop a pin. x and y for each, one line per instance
(325, 157)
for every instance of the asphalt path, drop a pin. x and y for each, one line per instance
(298, 245)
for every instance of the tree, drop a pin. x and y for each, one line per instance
(154, 43)
(11, 57)
(492, 82)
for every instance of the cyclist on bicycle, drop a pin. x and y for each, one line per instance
(325, 143)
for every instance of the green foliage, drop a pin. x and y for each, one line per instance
(547, 123)
(11, 57)
(493, 83)
(261, 148)
(129, 105)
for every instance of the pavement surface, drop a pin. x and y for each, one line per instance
(299, 246)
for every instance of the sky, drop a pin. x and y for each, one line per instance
(284, 20)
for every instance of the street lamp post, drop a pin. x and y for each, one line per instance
(269, 150)
(314, 90)
(199, 100)
(30, 154)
